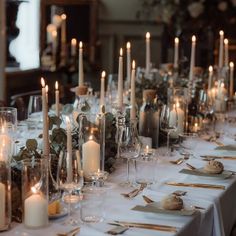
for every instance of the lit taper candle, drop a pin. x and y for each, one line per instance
(226, 44)
(81, 69)
(231, 83)
(102, 92)
(148, 53)
(176, 53)
(192, 60)
(128, 52)
(120, 80)
(57, 99)
(73, 47)
(133, 108)
(210, 74)
(221, 49)
(63, 28)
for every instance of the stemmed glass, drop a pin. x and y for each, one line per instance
(69, 179)
(129, 146)
(169, 122)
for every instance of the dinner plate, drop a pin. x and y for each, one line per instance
(156, 207)
(63, 213)
(200, 172)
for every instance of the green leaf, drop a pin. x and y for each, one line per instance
(31, 144)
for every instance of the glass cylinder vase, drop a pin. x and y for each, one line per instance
(35, 193)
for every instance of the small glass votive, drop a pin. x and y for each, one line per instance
(35, 193)
(146, 167)
(92, 209)
(98, 177)
(147, 152)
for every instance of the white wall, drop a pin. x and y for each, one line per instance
(2, 51)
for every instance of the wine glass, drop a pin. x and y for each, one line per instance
(34, 111)
(69, 179)
(169, 122)
(129, 146)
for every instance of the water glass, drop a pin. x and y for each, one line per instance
(92, 208)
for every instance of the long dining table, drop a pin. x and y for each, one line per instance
(217, 213)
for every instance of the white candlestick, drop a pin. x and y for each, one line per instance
(231, 83)
(128, 51)
(102, 92)
(63, 28)
(133, 102)
(221, 49)
(36, 211)
(45, 120)
(69, 150)
(91, 156)
(54, 45)
(120, 80)
(192, 60)
(2, 205)
(81, 69)
(46, 88)
(176, 53)
(210, 77)
(148, 54)
(226, 43)
(73, 47)
(57, 99)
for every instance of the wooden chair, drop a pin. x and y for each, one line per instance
(20, 101)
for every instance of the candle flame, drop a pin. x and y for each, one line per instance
(67, 120)
(46, 88)
(90, 137)
(147, 147)
(210, 68)
(73, 41)
(80, 45)
(103, 74)
(63, 16)
(176, 40)
(221, 33)
(34, 190)
(177, 104)
(42, 82)
(99, 170)
(56, 85)
(54, 33)
(121, 52)
(194, 39)
(148, 35)
(133, 64)
(226, 41)
(196, 124)
(231, 64)
(222, 85)
(128, 45)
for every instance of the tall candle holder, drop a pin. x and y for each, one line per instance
(35, 193)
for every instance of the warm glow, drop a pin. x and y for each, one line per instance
(103, 74)
(121, 52)
(231, 64)
(177, 104)
(80, 45)
(196, 124)
(90, 137)
(54, 33)
(51, 28)
(34, 190)
(148, 35)
(210, 68)
(226, 41)
(194, 39)
(133, 64)
(221, 33)
(42, 82)
(222, 85)
(67, 120)
(73, 42)
(56, 85)
(128, 45)
(63, 16)
(46, 88)
(176, 40)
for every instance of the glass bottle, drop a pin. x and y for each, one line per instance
(149, 117)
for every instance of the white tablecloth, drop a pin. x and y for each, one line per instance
(217, 220)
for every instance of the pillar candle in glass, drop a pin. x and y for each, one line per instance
(133, 102)
(192, 60)
(120, 81)
(102, 92)
(221, 49)
(128, 52)
(148, 53)
(231, 80)
(57, 99)
(81, 69)
(73, 46)
(176, 53)
(226, 44)
(63, 28)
